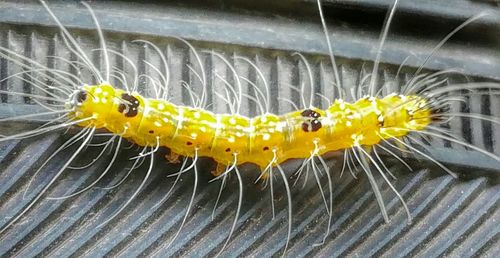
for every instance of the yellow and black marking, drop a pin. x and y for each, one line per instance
(129, 106)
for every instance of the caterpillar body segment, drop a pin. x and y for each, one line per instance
(258, 140)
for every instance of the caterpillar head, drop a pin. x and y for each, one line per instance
(91, 104)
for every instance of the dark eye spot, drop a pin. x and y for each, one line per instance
(151, 131)
(265, 148)
(81, 96)
(306, 127)
(189, 143)
(129, 106)
(312, 123)
(311, 126)
(315, 125)
(228, 149)
(310, 113)
(306, 113)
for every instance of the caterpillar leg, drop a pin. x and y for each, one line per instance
(264, 173)
(219, 169)
(173, 158)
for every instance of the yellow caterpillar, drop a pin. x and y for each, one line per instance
(262, 140)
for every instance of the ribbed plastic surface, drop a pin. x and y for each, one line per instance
(452, 217)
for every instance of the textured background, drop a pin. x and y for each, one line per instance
(451, 217)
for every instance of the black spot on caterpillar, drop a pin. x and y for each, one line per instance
(81, 96)
(129, 107)
(312, 123)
